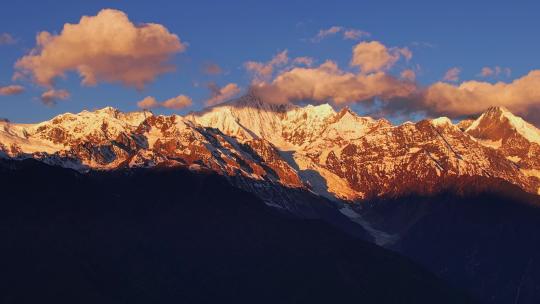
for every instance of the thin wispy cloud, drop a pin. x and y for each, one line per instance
(347, 33)
(452, 74)
(262, 71)
(11, 90)
(6, 39)
(354, 34)
(422, 44)
(210, 68)
(408, 74)
(495, 72)
(327, 32)
(304, 60)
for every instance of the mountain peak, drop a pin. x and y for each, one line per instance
(498, 122)
(498, 112)
(345, 110)
(497, 109)
(253, 101)
(108, 110)
(322, 108)
(442, 121)
(346, 149)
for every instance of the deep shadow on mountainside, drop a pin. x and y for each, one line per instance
(170, 235)
(487, 243)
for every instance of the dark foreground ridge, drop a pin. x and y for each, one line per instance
(174, 236)
(485, 243)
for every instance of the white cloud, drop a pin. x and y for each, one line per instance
(107, 47)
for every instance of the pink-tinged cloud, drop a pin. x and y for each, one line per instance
(176, 103)
(50, 97)
(221, 94)
(11, 90)
(374, 56)
(6, 39)
(212, 69)
(400, 95)
(148, 102)
(487, 72)
(495, 72)
(326, 32)
(328, 83)
(452, 74)
(307, 61)
(107, 47)
(354, 34)
(472, 97)
(262, 71)
(408, 74)
(348, 33)
(405, 52)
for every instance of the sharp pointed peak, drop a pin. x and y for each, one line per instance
(499, 121)
(498, 110)
(345, 110)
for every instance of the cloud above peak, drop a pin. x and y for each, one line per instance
(399, 95)
(176, 103)
(263, 71)
(472, 97)
(107, 47)
(328, 83)
(221, 94)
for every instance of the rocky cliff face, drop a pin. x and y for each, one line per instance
(513, 137)
(343, 155)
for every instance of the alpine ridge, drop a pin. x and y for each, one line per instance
(456, 198)
(336, 154)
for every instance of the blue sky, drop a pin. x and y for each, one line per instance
(465, 34)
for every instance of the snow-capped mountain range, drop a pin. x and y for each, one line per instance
(336, 154)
